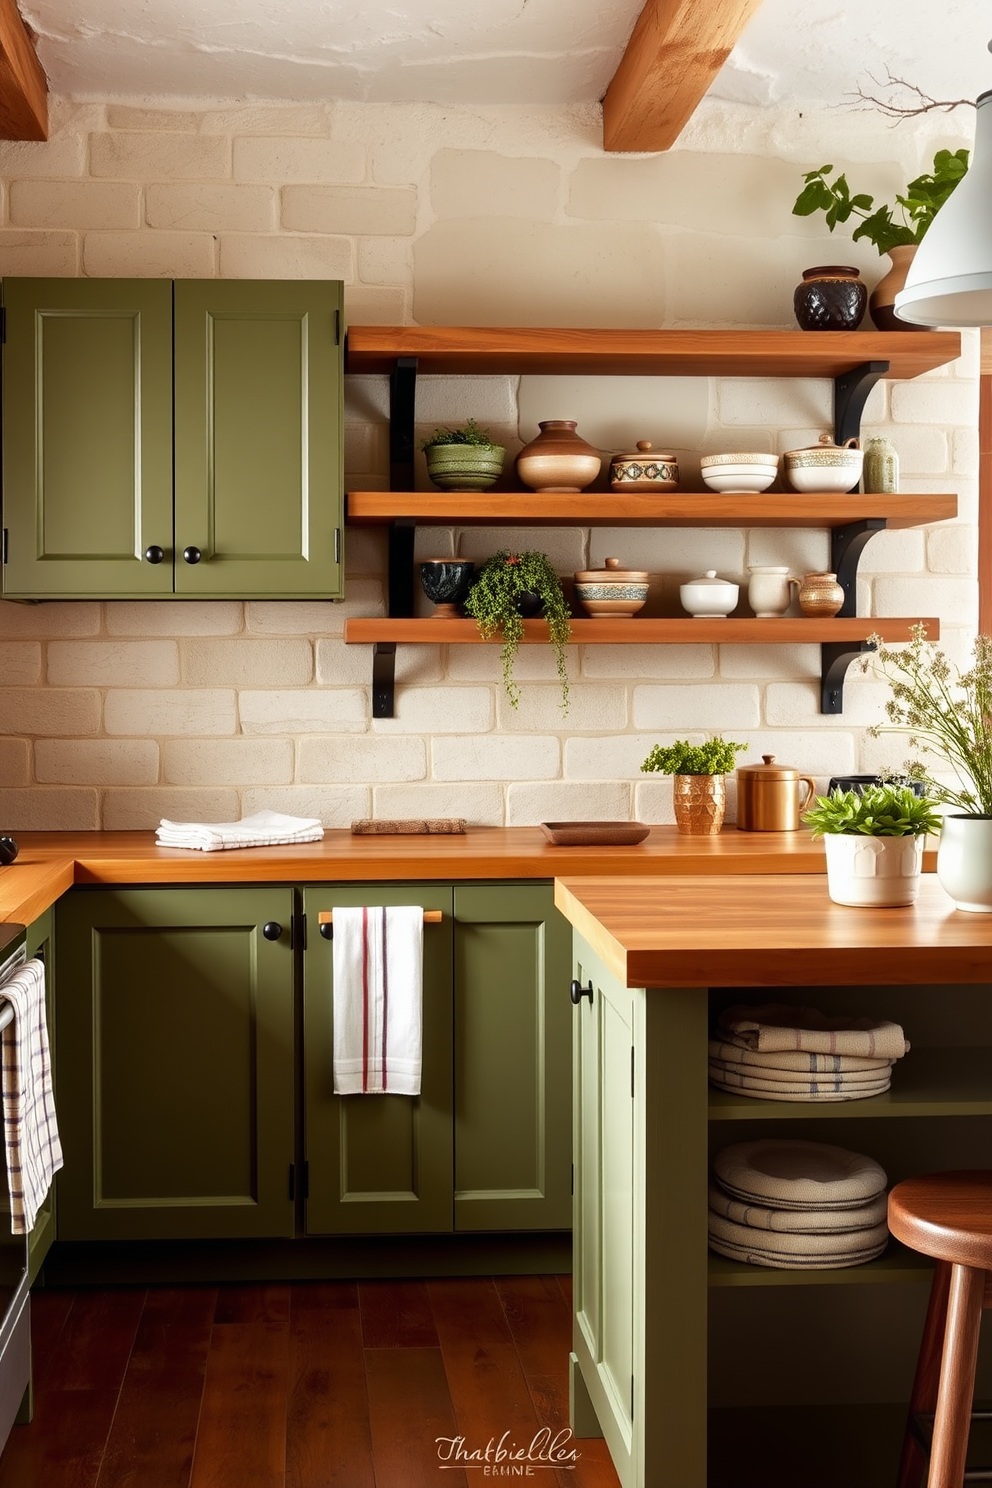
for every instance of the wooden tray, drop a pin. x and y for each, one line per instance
(594, 833)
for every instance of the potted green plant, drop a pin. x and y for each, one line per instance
(873, 839)
(699, 787)
(464, 459)
(917, 206)
(508, 587)
(947, 715)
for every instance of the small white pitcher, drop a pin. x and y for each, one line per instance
(769, 591)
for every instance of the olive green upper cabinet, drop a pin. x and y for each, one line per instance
(166, 438)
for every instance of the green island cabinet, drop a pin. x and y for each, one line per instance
(703, 1372)
(184, 1062)
(172, 438)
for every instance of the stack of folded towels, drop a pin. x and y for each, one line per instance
(264, 829)
(797, 1206)
(782, 1053)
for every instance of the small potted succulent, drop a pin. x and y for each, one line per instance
(700, 791)
(464, 459)
(508, 587)
(874, 842)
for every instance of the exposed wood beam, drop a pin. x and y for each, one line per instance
(23, 85)
(675, 51)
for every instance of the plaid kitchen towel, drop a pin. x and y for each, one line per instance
(779, 1026)
(34, 1152)
(377, 1001)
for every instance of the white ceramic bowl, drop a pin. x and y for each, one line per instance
(746, 481)
(740, 470)
(709, 597)
(832, 478)
(755, 458)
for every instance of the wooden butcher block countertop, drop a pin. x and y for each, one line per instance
(772, 931)
(49, 863)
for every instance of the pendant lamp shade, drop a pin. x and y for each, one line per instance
(950, 280)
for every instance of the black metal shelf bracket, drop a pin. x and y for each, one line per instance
(851, 391)
(835, 658)
(383, 679)
(402, 420)
(846, 546)
(402, 530)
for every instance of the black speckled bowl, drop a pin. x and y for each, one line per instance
(446, 582)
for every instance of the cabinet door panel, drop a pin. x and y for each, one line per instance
(378, 1164)
(87, 450)
(258, 437)
(177, 1107)
(512, 1059)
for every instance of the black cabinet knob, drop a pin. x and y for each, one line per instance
(272, 929)
(8, 850)
(154, 554)
(577, 992)
(192, 555)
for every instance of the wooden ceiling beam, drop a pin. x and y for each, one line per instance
(23, 85)
(675, 51)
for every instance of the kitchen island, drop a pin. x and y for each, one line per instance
(661, 1328)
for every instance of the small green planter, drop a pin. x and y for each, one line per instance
(465, 467)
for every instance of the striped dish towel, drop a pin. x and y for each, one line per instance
(34, 1152)
(377, 1001)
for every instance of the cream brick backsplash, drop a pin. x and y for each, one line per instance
(117, 714)
(96, 761)
(117, 663)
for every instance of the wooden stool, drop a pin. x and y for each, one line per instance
(947, 1216)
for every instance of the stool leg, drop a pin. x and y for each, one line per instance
(913, 1463)
(957, 1378)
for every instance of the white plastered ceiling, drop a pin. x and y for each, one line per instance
(485, 51)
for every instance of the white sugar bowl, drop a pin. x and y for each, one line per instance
(824, 467)
(709, 597)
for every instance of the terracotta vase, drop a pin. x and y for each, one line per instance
(558, 459)
(700, 803)
(820, 595)
(832, 297)
(882, 297)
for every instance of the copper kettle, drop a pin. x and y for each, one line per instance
(771, 797)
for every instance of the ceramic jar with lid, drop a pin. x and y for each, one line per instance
(831, 297)
(644, 470)
(709, 597)
(614, 591)
(824, 466)
(771, 797)
(558, 459)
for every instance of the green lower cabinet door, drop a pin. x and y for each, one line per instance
(41, 943)
(259, 468)
(512, 1059)
(378, 1164)
(177, 1104)
(87, 438)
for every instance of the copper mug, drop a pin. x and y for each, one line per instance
(771, 797)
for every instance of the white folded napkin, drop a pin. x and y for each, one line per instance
(263, 829)
(805, 1221)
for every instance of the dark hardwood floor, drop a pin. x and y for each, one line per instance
(323, 1385)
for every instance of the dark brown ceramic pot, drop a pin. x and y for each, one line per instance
(830, 298)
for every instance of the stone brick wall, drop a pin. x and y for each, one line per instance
(116, 714)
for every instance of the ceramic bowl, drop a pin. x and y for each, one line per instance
(709, 597)
(611, 591)
(645, 470)
(756, 458)
(745, 480)
(825, 466)
(446, 582)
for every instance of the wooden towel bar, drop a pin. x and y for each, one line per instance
(325, 920)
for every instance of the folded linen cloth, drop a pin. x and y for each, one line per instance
(773, 1025)
(793, 1060)
(377, 1000)
(815, 1221)
(762, 1075)
(822, 1087)
(753, 1256)
(802, 1245)
(31, 1134)
(792, 1174)
(262, 829)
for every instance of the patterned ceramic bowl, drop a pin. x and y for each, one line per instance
(611, 591)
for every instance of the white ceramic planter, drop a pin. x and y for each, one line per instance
(873, 870)
(964, 862)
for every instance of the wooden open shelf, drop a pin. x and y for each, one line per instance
(677, 353)
(642, 509)
(635, 631)
(896, 1265)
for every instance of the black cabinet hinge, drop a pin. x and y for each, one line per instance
(3, 553)
(299, 1180)
(337, 328)
(573, 1179)
(303, 932)
(3, 324)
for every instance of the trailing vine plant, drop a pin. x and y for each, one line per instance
(494, 602)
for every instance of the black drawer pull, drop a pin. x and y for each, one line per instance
(154, 554)
(192, 555)
(577, 992)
